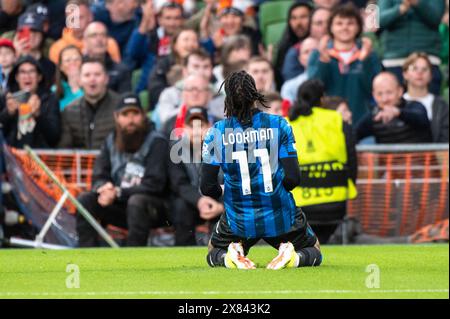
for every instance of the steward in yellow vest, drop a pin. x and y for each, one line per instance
(327, 160)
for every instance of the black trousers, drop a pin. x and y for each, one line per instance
(325, 218)
(139, 214)
(185, 217)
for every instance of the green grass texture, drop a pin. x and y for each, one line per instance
(387, 272)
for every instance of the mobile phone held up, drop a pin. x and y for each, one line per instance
(21, 96)
(25, 34)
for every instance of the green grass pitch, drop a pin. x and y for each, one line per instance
(419, 271)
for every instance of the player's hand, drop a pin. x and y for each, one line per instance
(12, 106)
(366, 50)
(35, 104)
(211, 208)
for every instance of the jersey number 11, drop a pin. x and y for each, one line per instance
(263, 154)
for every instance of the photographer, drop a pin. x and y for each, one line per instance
(29, 113)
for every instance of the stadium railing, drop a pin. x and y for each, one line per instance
(402, 188)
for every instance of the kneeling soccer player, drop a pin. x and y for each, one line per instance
(258, 157)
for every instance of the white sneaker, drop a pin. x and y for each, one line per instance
(235, 258)
(287, 258)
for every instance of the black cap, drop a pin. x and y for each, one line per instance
(31, 20)
(39, 9)
(196, 113)
(129, 100)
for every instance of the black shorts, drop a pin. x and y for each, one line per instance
(301, 235)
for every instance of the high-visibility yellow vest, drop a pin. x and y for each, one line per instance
(322, 154)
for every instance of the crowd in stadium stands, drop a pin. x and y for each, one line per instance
(129, 77)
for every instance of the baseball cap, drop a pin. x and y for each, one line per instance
(40, 10)
(7, 43)
(31, 20)
(231, 10)
(127, 101)
(196, 113)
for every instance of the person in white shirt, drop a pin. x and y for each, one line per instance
(417, 72)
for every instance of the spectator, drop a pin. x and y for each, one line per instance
(89, 120)
(7, 60)
(394, 120)
(319, 23)
(197, 63)
(299, 19)
(417, 74)
(290, 88)
(328, 149)
(10, 10)
(120, 17)
(196, 93)
(73, 34)
(190, 208)
(29, 40)
(327, 4)
(188, 6)
(345, 64)
(231, 23)
(30, 114)
(274, 103)
(234, 50)
(129, 178)
(262, 72)
(183, 43)
(411, 26)
(340, 105)
(96, 46)
(150, 40)
(292, 67)
(67, 86)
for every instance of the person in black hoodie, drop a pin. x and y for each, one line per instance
(394, 120)
(29, 113)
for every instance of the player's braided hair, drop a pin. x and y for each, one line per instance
(241, 95)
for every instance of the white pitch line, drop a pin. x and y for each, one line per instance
(209, 293)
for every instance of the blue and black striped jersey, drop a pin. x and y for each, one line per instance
(256, 203)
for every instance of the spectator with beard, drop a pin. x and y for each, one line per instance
(96, 46)
(129, 178)
(30, 114)
(190, 208)
(89, 120)
(297, 30)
